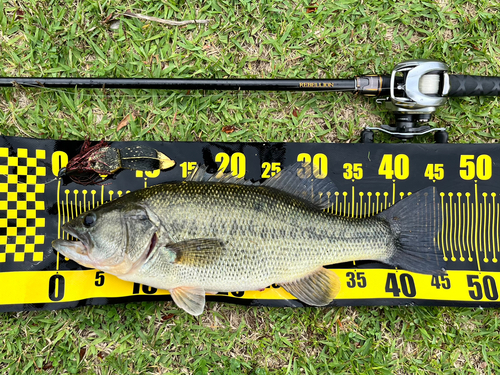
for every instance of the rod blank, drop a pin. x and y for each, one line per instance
(185, 84)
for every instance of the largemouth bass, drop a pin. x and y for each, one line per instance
(217, 233)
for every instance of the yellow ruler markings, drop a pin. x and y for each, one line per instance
(440, 236)
(84, 192)
(476, 218)
(59, 208)
(328, 195)
(459, 196)
(393, 192)
(33, 286)
(75, 213)
(483, 228)
(469, 223)
(70, 207)
(352, 204)
(490, 250)
(482, 245)
(494, 244)
(344, 206)
(497, 228)
(63, 217)
(59, 218)
(363, 208)
(450, 228)
(67, 209)
(455, 235)
(337, 203)
(443, 230)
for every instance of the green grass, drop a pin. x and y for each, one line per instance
(270, 39)
(159, 338)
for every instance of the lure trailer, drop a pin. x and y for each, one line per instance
(412, 92)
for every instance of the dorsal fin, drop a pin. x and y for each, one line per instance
(200, 174)
(297, 180)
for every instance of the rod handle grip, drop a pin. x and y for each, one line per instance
(465, 85)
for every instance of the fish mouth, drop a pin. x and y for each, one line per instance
(70, 248)
(75, 250)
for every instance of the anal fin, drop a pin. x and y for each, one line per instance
(192, 300)
(316, 289)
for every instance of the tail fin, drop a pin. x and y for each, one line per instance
(415, 222)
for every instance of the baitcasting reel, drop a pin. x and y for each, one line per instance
(417, 88)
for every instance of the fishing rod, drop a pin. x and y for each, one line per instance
(412, 92)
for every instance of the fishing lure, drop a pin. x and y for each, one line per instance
(94, 163)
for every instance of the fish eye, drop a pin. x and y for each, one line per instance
(89, 219)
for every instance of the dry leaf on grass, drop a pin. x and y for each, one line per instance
(126, 120)
(228, 129)
(167, 317)
(82, 353)
(108, 18)
(313, 7)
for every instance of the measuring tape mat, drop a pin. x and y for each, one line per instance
(34, 204)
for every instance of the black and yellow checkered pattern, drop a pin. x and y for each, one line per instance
(20, 204)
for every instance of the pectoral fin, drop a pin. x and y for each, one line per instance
(199, 252)
(317, 289)
(192, 300)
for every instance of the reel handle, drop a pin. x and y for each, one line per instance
(465, 85)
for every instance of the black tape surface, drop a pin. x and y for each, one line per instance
(370, 178)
